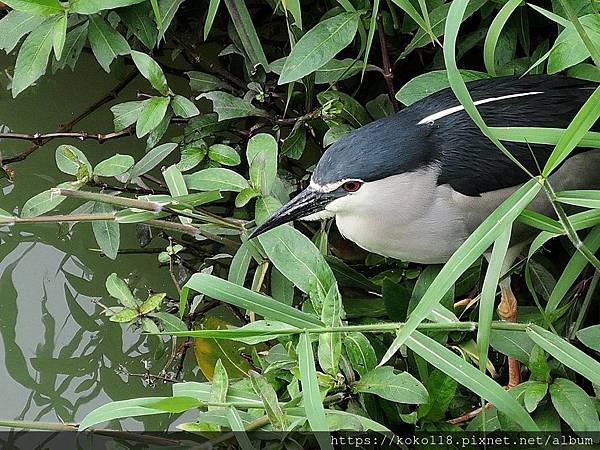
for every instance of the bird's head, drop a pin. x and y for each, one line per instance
(353, 173)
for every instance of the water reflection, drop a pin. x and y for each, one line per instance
(59, 354)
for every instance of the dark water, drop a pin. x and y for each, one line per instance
(58, 353)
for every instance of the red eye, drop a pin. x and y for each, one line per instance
(352, 186)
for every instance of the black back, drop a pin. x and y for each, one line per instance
(467, 160)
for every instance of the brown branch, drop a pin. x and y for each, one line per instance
(468, 416)
(40, 138)
(388, 75)
(69, 126)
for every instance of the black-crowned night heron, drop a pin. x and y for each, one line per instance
(416, 184)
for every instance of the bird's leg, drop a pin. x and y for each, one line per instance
(507, 310)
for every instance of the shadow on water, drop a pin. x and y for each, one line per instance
(60, 356)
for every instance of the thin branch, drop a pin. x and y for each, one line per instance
(113, 94)
(40, 138)
(388, 75)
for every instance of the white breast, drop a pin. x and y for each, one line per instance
(409, 217)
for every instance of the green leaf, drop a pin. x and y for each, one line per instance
(262, 160)
(219, 385)
(245, 298)
(313, 405)
(265, 391)
(237, 426)
(572, 270)
(167, 11)
(213, 6)
(240, 264)
(106, 232)
(33, 57)
(120, 409)
(224, 154)
(183, 107)
(192, 155)
(151, 303)
(534, 393)
(71, 160)
(152, 159)
(238, 11)
(330, 344)
(152, 114)
(566, 353)
(170, 322)
(59, 36)
(488, 295)
(585, 199)
(590, 336)
(151, 71)
(337, 70)
(568, 49)
(94, 6)
(441, 389)
(125, 315)
(493, 34)
(216, 179)
(126, 114)
(114, 166)
(139, 22)
(428, 83)
(464, 257)
(14, 26)
(297, 258)
(175, 404)
(74, 44)
(585, 119)
(47, 200)
(360, 353)
(408, 8)
(319, 46)
(467, 375)
(177, 187)
(36, 7)
(203, 82)
(574, 406)
(516, 344)
(396, 387)
(106, 42)
(119, 290)
(351, 111)
(228, 106)
(438, 22)
(201, 391)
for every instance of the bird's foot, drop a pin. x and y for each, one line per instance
(507, 310)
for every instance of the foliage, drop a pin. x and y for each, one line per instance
(276, 82)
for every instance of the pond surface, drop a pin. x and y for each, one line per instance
(60, 357)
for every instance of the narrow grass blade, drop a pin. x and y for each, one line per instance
(464, 257)
(493, 34)
(548, 136)
(571, 272)
(237, 426)
(120, 409)
(409, 9)
(488, 295)
(577, 129)
(371, 34)
(566, 353)
(540, 221)
(585, 199)
(467, 375)
(315, 412)
(241, 297)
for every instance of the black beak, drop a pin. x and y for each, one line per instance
(309, 201)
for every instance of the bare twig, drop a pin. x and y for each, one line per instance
(69, 126)
(388, 75)
(40, 138)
